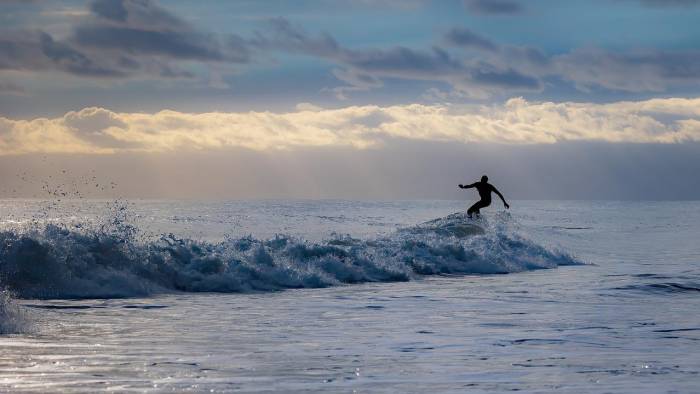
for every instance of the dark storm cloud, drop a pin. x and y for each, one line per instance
(108, 9)
(508, 79)
(177, 45)
(37, 50)
(142, 27)
(465, 38)
(21, 50)
(494, 7)
(402, 60)
(143, 13)
(71, 60)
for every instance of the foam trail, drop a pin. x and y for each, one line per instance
(56, 262)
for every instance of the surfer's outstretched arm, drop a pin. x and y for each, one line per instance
(505, 204)
(466, 186)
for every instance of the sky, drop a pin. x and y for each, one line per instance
(362, 99)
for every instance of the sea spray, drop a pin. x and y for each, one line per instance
(112, 260)
(13, 318)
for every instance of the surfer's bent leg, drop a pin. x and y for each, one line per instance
(476, 207)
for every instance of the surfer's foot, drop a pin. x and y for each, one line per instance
(470, 216)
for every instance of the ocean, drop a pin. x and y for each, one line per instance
(349, 296)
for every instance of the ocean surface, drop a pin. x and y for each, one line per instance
(349, 296)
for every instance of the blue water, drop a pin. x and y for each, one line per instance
(344, 295)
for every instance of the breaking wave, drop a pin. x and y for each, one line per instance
(60, 262)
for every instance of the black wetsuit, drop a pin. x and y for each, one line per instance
(484, 189)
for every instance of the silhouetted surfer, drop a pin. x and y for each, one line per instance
(484, 188)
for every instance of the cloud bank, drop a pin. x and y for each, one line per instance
(517, 121)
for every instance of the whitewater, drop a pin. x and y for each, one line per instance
(336, 296)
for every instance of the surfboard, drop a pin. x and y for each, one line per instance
(454, 225)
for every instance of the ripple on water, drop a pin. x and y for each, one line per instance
(662, 288)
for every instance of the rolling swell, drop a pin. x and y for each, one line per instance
(57, 262)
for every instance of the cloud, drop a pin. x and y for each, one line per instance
(365, 68)
(282, 35)
(140, 39)
(72, 60)
(356, 80)
(517, 121)
(634, 71)
(639, 70)
(95, 125)
(508, 79)
(122, 39)
(36, 50)
(465, 38)
(399, 61)
(178, 45)
(138, 13)
(143, 27)
(112, 10)
(494, 7)
(492, 68)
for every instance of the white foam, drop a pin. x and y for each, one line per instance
(13, 319)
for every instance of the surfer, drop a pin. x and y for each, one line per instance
(484, 188)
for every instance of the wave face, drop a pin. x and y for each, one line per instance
(57, 262)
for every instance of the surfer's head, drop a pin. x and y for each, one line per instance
(484, 178)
